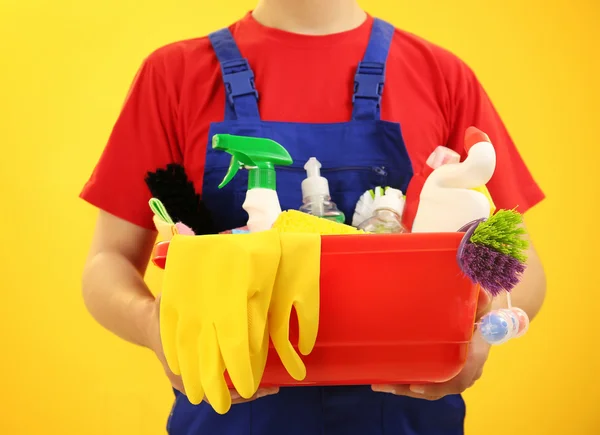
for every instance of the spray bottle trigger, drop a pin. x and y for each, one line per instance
(234, 167)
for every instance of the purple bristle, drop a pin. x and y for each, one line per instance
(494, 271)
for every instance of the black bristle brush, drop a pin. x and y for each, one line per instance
(173, 188)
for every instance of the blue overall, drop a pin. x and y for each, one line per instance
(356, 156)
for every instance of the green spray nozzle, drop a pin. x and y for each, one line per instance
(258, 155)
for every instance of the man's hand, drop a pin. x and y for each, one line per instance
(471, 372)
(176, 381)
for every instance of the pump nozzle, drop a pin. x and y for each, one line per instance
(314, 185)
(315, 193)
(259, 155)
(313, 167)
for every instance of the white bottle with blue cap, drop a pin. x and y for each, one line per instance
(316, 199)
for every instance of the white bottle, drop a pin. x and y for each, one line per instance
(263, 208)
(447, 201)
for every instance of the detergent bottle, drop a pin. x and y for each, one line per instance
(315, 194)
(259, 156)
(452, 195)
(440, 156)
(387, 215)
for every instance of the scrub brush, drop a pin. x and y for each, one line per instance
(492, 252)
(292, 221)
(365, 207)
(173, 188)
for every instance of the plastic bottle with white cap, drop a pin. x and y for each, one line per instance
(387, 215)
(316, 199)
(452, 195)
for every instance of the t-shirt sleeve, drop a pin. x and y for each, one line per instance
(512, 185)
(142, 140)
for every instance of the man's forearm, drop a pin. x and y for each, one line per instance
(116, 295)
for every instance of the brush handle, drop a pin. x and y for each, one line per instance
(499, 326)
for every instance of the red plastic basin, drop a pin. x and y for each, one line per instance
(394, 309)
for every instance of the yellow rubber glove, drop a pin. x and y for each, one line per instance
(296, 286)
(213, 313)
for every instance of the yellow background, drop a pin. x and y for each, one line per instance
(65, 67)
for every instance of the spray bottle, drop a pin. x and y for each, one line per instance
(259, 156)
(315, 194)
(452, 196)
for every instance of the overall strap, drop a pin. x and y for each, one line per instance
(370, 75)
(242, 96)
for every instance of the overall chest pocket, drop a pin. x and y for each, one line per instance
(346, 184)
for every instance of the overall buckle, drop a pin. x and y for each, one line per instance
(238, 79)
(368, 81)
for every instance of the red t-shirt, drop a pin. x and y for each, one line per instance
(179, 91)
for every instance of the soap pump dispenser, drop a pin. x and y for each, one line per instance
(316, 199)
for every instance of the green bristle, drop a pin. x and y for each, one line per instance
(503, 233)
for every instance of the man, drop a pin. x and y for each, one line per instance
(313, 63)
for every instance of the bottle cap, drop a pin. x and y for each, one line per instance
(441, 156)
(314, 184)
(473, 136)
